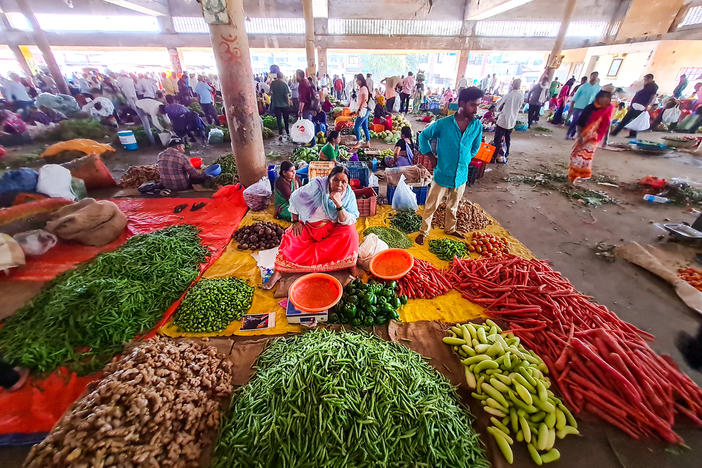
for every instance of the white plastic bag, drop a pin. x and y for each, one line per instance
(55, 181)
(215, 137)
(373, 180)
(404, 198)
(371, 245)
(396, 105)
(671, 115)
(302, 131)
(256, 196)
(36, 242)
(11, 254)
(640, 123)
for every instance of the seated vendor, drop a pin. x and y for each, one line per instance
(330, 151)
(175, 169)
(286, 183)
(404, 150)
(323, 235)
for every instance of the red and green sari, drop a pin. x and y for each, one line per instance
(283, 190)
(595, 123)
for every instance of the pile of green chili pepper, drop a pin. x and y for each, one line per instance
(446, 249)
(212, 304)
(85, 315)
(406, 221)
(394, 238)
(368, 304)
(330, 400)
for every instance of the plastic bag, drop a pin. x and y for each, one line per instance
(256, 196)
(19, 180)
(671, 115)
(370, 246)
(215, 137)
(92, 170)
(373, 180)
(404, 198)
(640, 123)
(11, 254)
(302, 131)
(35, 242)
(55, 181)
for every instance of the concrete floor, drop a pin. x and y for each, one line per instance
(564, 231)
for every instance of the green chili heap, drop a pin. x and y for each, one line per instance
(85, 315)
(345, 399)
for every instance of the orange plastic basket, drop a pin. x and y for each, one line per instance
(485, 153)
(320, 168)
(315, 292)
(391, 264)
(345, 111)
(378, 127)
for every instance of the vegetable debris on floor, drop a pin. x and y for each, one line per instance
(85, 315)
(346, 399)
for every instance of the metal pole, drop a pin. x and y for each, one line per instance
(43, 44)
(309, 36)
(553, 61)
(231, 51)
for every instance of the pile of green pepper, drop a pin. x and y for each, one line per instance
(371, 303)
(212, 304)
(406, 221)
(446, 249)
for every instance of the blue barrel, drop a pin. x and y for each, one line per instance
(272, 175)
(126, 137)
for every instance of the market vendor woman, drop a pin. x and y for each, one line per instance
(323, 235)
(285, 185)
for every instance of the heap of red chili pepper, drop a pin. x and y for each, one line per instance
(424, 281)
(599, 362)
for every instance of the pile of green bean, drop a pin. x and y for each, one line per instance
(85, 315)
(510, 383)
(406, 221)
(212, 304)
(346, 399)
(446, 249)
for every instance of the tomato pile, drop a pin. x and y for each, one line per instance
(692, 276)
(488, 245)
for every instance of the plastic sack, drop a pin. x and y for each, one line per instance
(78, 188)
(19, 180)
(671, 115)
(215, 137)
(36, 242)
(92, 170)
(55, 181)
(370, 246)
(256, 196)
(640, 123)
(302, 131)
(404, 198)
(11, 254)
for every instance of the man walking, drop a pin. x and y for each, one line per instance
(641, 101)
(204, 92)
(407, 88)
(582, 98)
(370, 83)
(304, 93)
(537, 96)
(508, 107)
(279, 104)
(458, 139)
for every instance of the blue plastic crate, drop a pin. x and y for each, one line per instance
(420, 192)
(358, 170)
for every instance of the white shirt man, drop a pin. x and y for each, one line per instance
(509, 107)
(146, 87)
(126, 84)
(151, 108)
(370, 83)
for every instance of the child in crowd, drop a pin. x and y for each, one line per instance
(489, 119)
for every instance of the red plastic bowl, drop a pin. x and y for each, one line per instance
(196, 162)
(391, 264)
(315, 292)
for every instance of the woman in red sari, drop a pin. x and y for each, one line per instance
(323, 235)
(592, 126)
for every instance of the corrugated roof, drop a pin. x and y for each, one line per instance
(693, 16)
(539, 28)
(377, 27)
(196, 24)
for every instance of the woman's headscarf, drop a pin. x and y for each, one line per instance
(308, 198)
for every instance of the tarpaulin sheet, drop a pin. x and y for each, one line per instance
(217, 219)
(30, 410)
(451, 307)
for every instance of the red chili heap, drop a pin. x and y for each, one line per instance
(599, 363)
(424, 281)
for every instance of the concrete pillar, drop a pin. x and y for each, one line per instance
(462, 65)
(322, 59)
(560, 39)
(22, 61)
(176, 64)
(43, 44)
(231, 50)
(309, 36)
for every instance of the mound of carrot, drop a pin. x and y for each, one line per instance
(599, 363)
(424, 281)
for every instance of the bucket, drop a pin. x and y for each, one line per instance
(126, 137)
(196, 162)
(272, 175)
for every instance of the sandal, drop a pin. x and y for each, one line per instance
(197, 206)
(180, 208)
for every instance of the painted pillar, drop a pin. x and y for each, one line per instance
(462, 65)
(176, 64)
(554, 59)
(322, 59)
(233, 58)
(309, 36)
(43, 44)
(22, 61)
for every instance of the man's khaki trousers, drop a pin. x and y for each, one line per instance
(434, 198)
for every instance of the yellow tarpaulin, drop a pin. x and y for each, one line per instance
(450, 307)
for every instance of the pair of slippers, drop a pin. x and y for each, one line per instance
(195, 207)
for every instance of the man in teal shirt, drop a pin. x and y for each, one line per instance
(582, 98)
(458, 139)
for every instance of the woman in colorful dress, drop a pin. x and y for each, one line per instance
(561, 102)
(592, 127)
(323, 235)
(285, 185)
